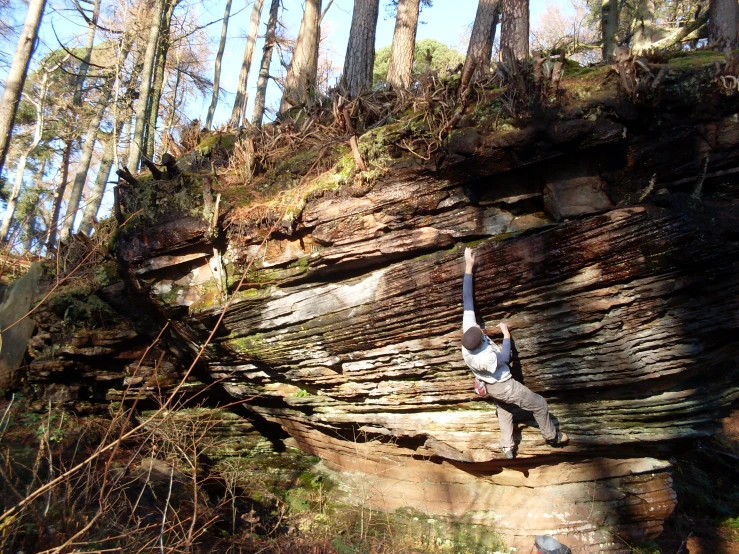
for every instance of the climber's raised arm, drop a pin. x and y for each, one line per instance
(468, 318)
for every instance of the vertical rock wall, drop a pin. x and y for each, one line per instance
(621, 298)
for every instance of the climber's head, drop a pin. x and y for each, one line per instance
(472, 338)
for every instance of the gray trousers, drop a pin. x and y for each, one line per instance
(513, 392)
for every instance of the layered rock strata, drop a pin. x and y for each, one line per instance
(621, 292)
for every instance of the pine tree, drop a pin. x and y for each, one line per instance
(137, 141)
(217, 72)
(21, 166)
(16, 77)
(301, 75)
(644, 32)
(360, 52)
(239, 108)
(514, 30)
(723, 22)
(157, 86)
(609, 26)
(480, 48)
(403, 47)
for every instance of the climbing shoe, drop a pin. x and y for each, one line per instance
(560, 440)
(508, 452)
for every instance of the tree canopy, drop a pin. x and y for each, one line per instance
(443, 59)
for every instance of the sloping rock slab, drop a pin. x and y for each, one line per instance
(17, 328)
(161, 239)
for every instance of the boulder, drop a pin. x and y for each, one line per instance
(16, 329)
(575, 195)
(346, 333)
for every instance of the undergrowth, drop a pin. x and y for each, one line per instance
(161, 490)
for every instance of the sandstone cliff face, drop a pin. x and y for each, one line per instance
(622, 298)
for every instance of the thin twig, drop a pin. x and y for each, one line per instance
(164, 514)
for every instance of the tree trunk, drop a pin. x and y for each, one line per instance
(98, 189)
(80, 177)
(34, 233)
(239, 108)
(219, 58)
(360, 52)
(59, 195)
(609, 26)
(16, 77)
(21, 168)
(155, 96)
(301, 76)
(693, 30)
(85, 63)
(167, 133)
(723, 19)
(134, 156)
(644, 26)
(480, 48)
(514, 30)
(403, 49)
(269, 43)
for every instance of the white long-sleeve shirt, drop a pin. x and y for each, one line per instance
(488, 362)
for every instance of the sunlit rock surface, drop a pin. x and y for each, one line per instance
(622, 298)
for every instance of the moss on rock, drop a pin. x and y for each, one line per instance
(217, 140)
(80, 306)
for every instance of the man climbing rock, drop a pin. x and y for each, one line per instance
(489, 364)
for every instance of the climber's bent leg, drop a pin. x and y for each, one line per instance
(536, 404)
(513, 392)
(505, 417)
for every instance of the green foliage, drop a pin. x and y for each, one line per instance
(443, 59)
(106, 273)
(310, 481)
(158, 199)
(344, 546)
(297, 500)
(731, 522)
(382, 62)
(56, 434)
(31, 418)
(391, 8)
(80, 305)
(26, 113)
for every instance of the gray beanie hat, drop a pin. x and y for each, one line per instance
(472, 338)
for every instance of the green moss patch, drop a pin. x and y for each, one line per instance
(253, 346)
(151, 201)
(80, 306)
(683, 60)
(225, 141)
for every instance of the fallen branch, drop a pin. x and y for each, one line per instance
(357, 154)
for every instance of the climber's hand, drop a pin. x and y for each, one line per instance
(469, 259)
